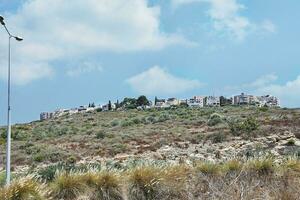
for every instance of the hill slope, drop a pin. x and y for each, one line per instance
(175, 135)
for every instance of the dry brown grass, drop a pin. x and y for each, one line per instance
(234, 180)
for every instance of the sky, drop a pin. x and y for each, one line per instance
(81, 51)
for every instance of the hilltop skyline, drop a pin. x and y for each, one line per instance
(83, 51)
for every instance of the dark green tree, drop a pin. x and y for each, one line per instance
(143, 101)
(109, 105)
(117, 104)
(129, 103)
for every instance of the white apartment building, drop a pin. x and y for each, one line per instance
(269, 101)
(196, 101)
(212, 101)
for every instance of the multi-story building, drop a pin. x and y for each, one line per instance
(46, 115)
(212, 101)
(243, 99)
(269, 101)
(196, 101)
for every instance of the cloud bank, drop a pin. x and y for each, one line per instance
(226, 18)
(60, 29)
(157, 81)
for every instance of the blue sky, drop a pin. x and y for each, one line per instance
(81, 51)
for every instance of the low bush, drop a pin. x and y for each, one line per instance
(291, 142)
(208, 168)
(100, 134)
(262, 166)
(217, 137)
(145, 183)
(24, 189)
(238, 128)
(214, 119)
(67, 186)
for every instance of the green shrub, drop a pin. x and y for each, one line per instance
(250, 125)
(127, 122)
(261, 166)
(239, 127)
(291, 142)
(115, 122)
(263, 109)
(208, 168)
(217, 137)
(40, 157)
(163, 118)
(214, 119)
(100, 134)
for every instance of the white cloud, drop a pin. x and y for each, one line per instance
(262, 81)
(287, 92)
(227, 19)
(57, 30)
(23, 73)
(85, 67)
(258, 83)
(156, 81)
(268, 26)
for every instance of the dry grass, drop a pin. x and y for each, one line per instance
(26, 188)
(233, 180)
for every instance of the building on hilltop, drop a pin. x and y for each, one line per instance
(196, 101)
(269, 101)
(244, 99)
(212, 101)
(46, 115)
(266, 100)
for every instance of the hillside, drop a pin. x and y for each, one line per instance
(175, 135)
(171, 154)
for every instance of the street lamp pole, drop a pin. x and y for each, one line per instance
(8, 137)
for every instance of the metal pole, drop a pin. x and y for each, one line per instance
(8, 143)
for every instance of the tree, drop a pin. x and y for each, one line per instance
(155, 101)
(129, 103)
(143, 101)
(109, 105)
(117, 104)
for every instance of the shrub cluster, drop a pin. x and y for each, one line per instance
(247, 126)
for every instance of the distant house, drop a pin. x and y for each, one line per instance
(196, 101)
(105, 107)
(46, 115)
(172, 102)
(160, 103)
(212, 101)
(82, 109)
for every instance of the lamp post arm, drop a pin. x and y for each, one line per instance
(7, 31)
